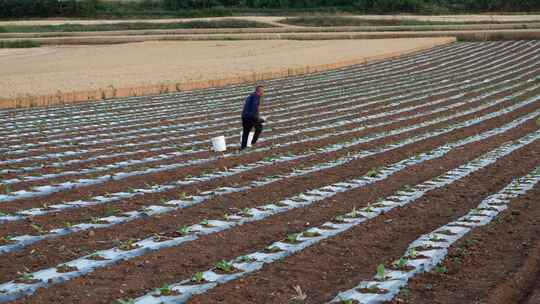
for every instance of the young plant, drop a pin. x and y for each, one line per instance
(245, 259)
(311, 234)
(110, 211)
(245, 212)
(224, 266)
(37, 228)
(292, 238)
(6, 240)
(373, 173)
(413, 253)
(401, 263)
(381, 273)
(205, 223)
(25, 277)
(439, 269)
(65, 268)
(165, 290)
(7, 189)
(184, 230)
(198, 277)
(272, 249)
(127, 245)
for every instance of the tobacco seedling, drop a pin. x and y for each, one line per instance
(184, 230)
(402, 262)
(7, 189)
(245, 212)
(6, 240)
(272, 249)
(381, 273)
(198, 277)
(127, 245)
(413, 253)
(65, 268)
(373, 173)
(25, 277)
(292, 238)
(37, 228)
(165, 290)
(339, 219)
(245, 259)
(224, 266)
(205, 223)
(110, 210)
(182, 195)
(311, 234)
(440, 269)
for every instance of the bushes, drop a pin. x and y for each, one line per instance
(199, 8)
(48, 8)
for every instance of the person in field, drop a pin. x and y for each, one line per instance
(251, 117)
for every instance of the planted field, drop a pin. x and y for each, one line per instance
(390, 181)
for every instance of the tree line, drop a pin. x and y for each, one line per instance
(94, 8)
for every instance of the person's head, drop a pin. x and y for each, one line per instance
(259, 90)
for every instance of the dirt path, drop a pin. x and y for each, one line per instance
(45, 71)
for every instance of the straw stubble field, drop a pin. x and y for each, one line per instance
(411, 179)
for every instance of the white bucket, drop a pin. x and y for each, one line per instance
(250, 138)
(218, 143)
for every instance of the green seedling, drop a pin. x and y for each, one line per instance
(6, 240)
(127, 245)
(435, 238)
(339, 219)
(373, 173)
(37, 228)
(401, 263)
(198, 277)
(413, 253)
(163, 200)
(292, 238)
(407, 188)
(5, 214)
(25, 277)
(68, 225)
(182, 195)
(224, 266)
(184, 230)
(245, 212)
(165, 290)
(311, 234)
(440, 269)
(245, 259)
(272, 249)
(65, 268)
(205, 223)
(7, 189)
(405, 294)
(110, 210)
(381, 273)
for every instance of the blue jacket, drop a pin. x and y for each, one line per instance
(251, 106)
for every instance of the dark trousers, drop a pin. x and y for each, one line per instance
(247, 125)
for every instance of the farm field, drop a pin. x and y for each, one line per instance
(65, 69)
(409, 180)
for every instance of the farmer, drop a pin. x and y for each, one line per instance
(251, 118)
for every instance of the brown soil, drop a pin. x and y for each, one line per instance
(498, 263)
(341, 255)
